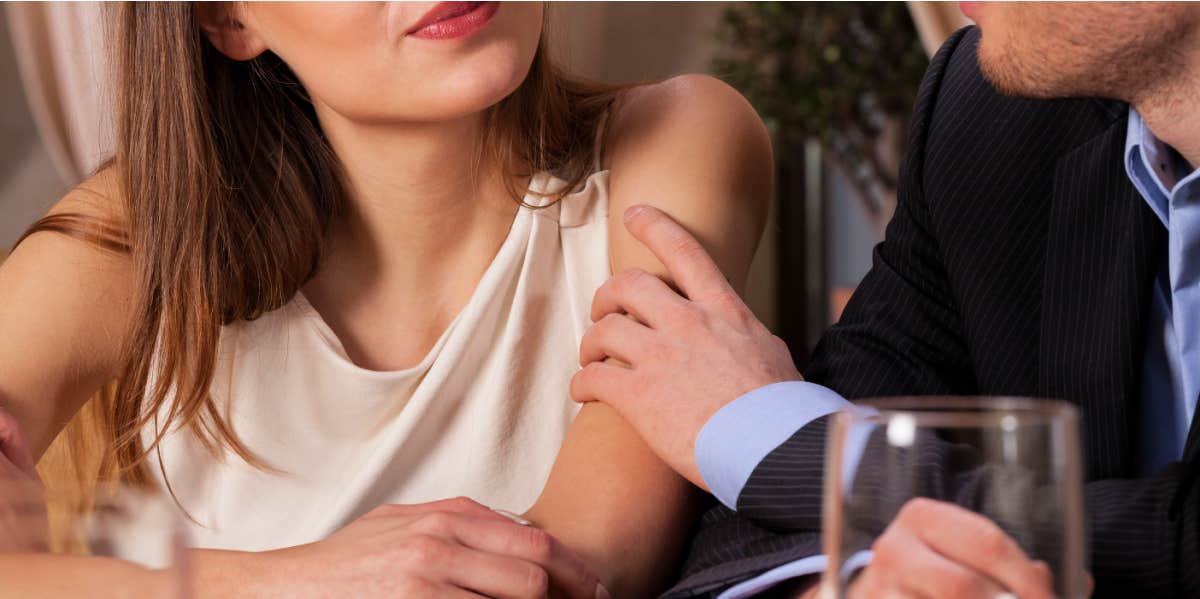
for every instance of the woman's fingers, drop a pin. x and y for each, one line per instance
(486, 573)
(23, 524)
(460, 505)
(23, 521)
(536, 548)
(14, 448)
(524, 555)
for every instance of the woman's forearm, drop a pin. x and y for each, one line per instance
(209, 573)
(218, 573)
(37, 575)
(616, 505)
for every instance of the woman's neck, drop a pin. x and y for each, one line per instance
(418, 191)
(423, 220)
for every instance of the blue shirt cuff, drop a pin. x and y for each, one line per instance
(803, 567)
(741, 434)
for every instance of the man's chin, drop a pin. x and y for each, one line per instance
(1011, 77)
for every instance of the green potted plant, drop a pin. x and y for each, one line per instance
(835, 83)
(844, 74)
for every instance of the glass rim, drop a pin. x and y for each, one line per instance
(962, 411)
(105, 498)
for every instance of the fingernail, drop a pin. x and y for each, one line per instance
(513, 517)
(633, 211)
(601, 592)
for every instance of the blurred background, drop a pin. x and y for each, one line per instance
(834, 81)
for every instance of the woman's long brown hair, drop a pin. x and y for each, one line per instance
(227, 186)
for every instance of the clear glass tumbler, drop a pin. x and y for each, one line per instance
(122, 542)
(1016, 461)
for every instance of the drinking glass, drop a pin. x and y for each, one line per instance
(1016, 461)
(120, 542)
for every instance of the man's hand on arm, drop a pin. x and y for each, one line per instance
(688, 353)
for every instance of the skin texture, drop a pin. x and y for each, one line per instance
(403, 122)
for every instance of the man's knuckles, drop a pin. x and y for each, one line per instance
(630, 283)
(919, 512)
(966, 585)
(585, 384)
(889, 550)
(681, 319)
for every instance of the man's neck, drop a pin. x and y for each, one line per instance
(1172, 112)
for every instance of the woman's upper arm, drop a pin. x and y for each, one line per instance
(64, 311)
(694, 148)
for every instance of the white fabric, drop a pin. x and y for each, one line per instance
(483, 415)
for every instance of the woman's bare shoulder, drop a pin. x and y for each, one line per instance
(64, 310)
(99, 196)
(687, 109)
(695, 148)
(95, 209)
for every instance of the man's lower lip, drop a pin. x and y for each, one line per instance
(460, 26)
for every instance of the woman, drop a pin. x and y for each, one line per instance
(326, 313)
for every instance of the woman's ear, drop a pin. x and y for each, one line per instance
(223, 24)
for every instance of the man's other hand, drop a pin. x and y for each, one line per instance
(684, 354)
(936, 549)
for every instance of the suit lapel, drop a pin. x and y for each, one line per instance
(1191, 468)
(1103, 249)
(1191, 449)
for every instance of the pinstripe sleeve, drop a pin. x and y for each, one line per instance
(741, 434)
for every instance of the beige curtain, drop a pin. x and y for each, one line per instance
(935, 22)
(60, 53)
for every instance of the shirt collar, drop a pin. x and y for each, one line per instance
(1156, 169)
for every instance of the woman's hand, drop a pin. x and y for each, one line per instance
(17, 461)
(23, 524)
(449, 548)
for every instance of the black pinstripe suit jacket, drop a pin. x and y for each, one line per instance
(1019, 262)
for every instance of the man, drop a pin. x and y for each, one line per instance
(1041, 247)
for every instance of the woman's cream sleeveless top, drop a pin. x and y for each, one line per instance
(483, 415)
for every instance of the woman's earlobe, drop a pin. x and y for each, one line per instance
(228, 33)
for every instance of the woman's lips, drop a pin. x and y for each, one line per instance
(448, 20)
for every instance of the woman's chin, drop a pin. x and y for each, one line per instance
(454, 97)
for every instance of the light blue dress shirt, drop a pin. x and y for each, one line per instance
(1169, 390)
(737, 438)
